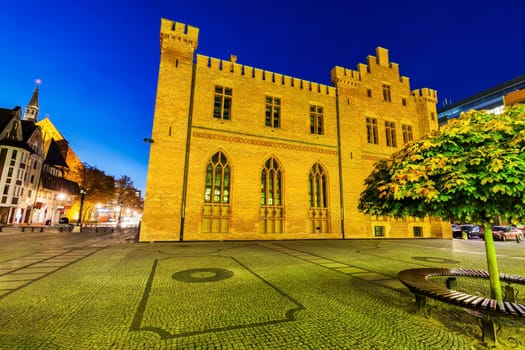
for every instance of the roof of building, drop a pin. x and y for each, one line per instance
(6, 115)
(501, 89)
(34, 99)
(53, 155)
(28, 128)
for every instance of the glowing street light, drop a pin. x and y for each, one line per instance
(78, 227)
(82, 196)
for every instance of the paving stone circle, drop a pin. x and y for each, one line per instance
(202, 275)
(433, 259)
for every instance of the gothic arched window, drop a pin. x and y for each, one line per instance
(272, 209)
(216, 213)
(318, 199)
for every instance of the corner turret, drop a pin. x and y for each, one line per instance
(178, 41)
(426, 101)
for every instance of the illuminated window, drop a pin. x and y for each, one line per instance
(222, 103)
(390, 130)
(407, 133)
(272, 210)
(319, 213)
(273, 112)
(371, 130)
(387, 96)
(271, 183)
(216, 211)
(316, 120)
(217, 183)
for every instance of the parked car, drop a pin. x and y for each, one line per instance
(457, 232)
(504, 233)
(472, 230)
(63, 222)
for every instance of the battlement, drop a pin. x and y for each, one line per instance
(344, 76)
(425, 94)
(380, 59)
(237, 69)
(179, 31)
(351, 78)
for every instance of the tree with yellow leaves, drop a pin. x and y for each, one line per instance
(471, 170)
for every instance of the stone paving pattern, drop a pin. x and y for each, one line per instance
(92, 291)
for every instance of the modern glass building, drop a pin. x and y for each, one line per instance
(493, 100)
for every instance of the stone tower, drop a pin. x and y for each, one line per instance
(426, 100)
(172, 118)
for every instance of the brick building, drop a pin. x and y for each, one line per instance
(243, 153)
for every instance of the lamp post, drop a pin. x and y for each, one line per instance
(78, 227)
(59, 197)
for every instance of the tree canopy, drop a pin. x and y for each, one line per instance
(471, 170)
(99, 186)
(105, 189)
(127, 195)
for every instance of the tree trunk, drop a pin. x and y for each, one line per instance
(492, 264)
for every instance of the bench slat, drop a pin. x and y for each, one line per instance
(509, 308)
(520, 309)
(476, 300)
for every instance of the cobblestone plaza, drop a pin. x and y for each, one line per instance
(99, 291)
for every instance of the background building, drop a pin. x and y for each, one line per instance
(243, 153)
(34, 168)
(492, 100)
(21, 161)
(59, 192)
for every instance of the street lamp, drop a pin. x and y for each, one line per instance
(82, 196)
(58, 198)
(79, 222)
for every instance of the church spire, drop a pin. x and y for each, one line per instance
(31, 112)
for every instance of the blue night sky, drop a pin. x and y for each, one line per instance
(98, 59)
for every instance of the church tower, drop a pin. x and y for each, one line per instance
(31, 112)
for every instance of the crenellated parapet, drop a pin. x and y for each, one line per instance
(344, 77)
(341, 76)
(186, 35)
(232, 67)
(425, 95)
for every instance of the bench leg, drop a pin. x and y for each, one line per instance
(488, 331)
(421, 305)
(509, 294)
(451, 283)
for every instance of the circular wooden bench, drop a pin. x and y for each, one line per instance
(485, 309)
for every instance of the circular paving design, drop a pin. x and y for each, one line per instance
(435, 260)
(202, 275)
